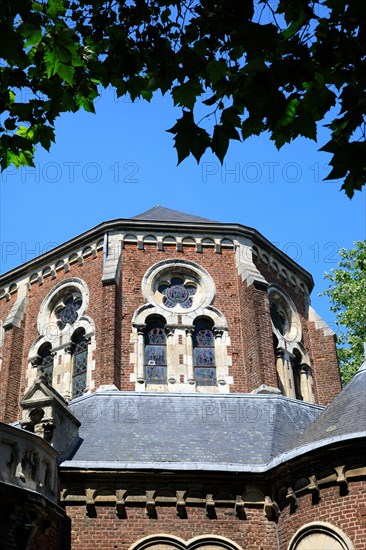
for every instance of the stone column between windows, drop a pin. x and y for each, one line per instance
(285, 374)
(189, 355)
(89, 358)
(141, 354)
(219, 356)
(170, 367)
(66, 388)
(305, 377)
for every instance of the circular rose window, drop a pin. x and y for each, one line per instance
(178, 286)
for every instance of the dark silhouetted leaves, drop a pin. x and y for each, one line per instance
(279, 69)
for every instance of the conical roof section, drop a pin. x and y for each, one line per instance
(160, 214)
(345, 418)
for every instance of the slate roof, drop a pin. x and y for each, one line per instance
(236, 432)
(345, 418)
(160, 213)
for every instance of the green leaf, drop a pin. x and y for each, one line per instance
(66, 72)
(185, 95)
(56, 8)
(189, 138)
(251, 127)
(85, 103)
(220, 143)
(296, 25)
(46, 135)
(199, 142)
(216, 70)
(50, 61)
(37, 6)
(32, 34)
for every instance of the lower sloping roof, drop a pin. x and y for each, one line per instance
(345, 418)
(237, 432)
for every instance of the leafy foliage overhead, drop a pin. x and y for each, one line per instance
(236, 68)
(347, 293)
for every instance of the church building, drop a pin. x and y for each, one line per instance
(166, 384)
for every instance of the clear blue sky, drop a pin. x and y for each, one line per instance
(121, 162)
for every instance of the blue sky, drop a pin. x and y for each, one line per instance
(121, 162)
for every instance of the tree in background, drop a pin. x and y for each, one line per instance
(347, 294)
(236, 68)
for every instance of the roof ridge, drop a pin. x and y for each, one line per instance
(162, 213)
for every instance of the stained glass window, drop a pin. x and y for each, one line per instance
(68, 313)
(279, 319)
(80, 362)
(204, 353)
(177, 292)
(46, 362)
(155, 353)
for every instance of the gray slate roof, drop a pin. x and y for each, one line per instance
(236, 432)
(160, 213)
(345, 418)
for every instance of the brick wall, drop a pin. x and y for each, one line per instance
(53, 527)
(112, 307)
(223, 271)
(324, 364)
(104, 528)
(108, 532)
(347, 513)
(321, 348)
(259, 359)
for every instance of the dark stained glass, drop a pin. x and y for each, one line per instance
(177, 293)
(80, 361)
(204, 357)
(204, 353)
(155, 353)
(156, 335)
(69, 312)
(155, 374)
(278, 319)
(47, 363)
(205, 337)
(205, 377)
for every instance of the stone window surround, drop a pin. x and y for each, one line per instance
(166, 269)
(174, 349)
(320, 528)
(294, 334)
(290, 350)
(62, 340)
(179, 322)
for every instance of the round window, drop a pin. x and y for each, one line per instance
(285, 319)
(179, 286)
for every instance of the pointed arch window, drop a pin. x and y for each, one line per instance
(155, 352)
(204, 353)
(46, 361)
(80, 362)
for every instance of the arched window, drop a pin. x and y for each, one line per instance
(171, 542)
(155, 351)
(46, 361)
(322, 536)
(80, 362)
(204, 353)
